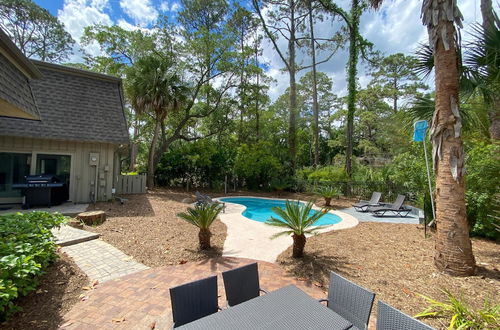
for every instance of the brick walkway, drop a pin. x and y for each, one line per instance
(102, 261)
(140, 300)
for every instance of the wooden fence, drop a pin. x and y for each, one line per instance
(131, 184)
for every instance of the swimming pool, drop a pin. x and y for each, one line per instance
(259, 209)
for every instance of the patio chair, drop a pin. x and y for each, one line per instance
(242, 284)
(205, 199)
(362, 206)
(194, 300)
(389, 318)
(349, 300)
(396, 208)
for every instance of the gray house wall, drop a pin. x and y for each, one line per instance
(82, 175)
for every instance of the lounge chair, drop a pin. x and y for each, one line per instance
(205, 199)
(389, 318)
(396, 208)
(349, 300)
(242, 284)
(194, 300)
(362, 206)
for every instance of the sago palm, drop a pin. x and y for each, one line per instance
(328, 192)
(298, 220)
(202, 216)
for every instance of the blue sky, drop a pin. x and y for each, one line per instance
(396, 27)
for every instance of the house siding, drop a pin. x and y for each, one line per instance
(82, 174)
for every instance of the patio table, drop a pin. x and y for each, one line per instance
(286, 308)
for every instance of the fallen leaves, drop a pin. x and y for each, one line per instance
(118, 319)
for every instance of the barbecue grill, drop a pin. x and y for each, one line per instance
(43, 190)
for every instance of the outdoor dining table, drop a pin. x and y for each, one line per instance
(286, 308)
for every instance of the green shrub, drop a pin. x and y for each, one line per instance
(26, 249)
(328, 173)
(257, 165)
(460, 315)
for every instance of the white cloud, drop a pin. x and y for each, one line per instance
(175, 7)
(142, 12)
(164, 6)
(78, 14)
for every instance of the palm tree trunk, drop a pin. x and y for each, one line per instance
(204, 238)
(292, 122)
(299, 242)
(314, 88)
(351, 85)
(150, 179)
(453, 249)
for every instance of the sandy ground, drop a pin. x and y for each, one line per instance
(147, 228)
(395, 261)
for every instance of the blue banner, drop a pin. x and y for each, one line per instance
(419, 130)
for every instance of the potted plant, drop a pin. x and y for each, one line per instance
(328, 192)
(297, 219)
(202, 216)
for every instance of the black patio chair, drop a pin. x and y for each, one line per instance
(396, 208)
(349, 300)
(242, 284)
(205, 199)
(194, 300)
(389, 318)
(362, 206)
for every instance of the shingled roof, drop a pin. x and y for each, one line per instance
(74, 105)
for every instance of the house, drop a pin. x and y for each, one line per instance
(58, 120)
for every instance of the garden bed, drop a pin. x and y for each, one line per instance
(59, 289)
(395, 262)
(147, 228)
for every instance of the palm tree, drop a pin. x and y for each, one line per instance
(297, 218)
(328, 193)
(202, 216)
(155, 88)
(453, 248)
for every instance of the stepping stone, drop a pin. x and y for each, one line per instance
(66, 235)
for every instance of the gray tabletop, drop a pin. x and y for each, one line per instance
(286, 308)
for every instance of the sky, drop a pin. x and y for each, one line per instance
(395, 27)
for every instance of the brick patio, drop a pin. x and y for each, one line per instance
(139, 300)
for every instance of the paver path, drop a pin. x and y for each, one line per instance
(252, 239)
(139, 300)
(102, 261)
(67, 235)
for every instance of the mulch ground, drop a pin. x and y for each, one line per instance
(60, 288)
(395, 261)
(147, 228)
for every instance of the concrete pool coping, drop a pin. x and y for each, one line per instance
(251, 239)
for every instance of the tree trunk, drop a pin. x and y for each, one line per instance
(494, 116)
(299, 242)
(150, 179)
(351, 85)
(453, 250)
(134, 147)
(314, 88)
(257, 94)
(328, 200)
(292, 136)
(204, 238)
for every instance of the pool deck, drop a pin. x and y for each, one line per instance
(252, 239)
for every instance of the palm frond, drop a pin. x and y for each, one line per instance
(299, 218)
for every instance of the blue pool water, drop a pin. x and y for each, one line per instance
(259, 209)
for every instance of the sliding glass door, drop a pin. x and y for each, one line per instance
(13, 168)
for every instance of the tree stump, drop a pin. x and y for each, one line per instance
(92, 217)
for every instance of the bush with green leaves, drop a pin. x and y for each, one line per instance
(257, 165)
(461, 315)
(482, 189)
(26, 248)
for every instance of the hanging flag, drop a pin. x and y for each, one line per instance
(419, 130)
